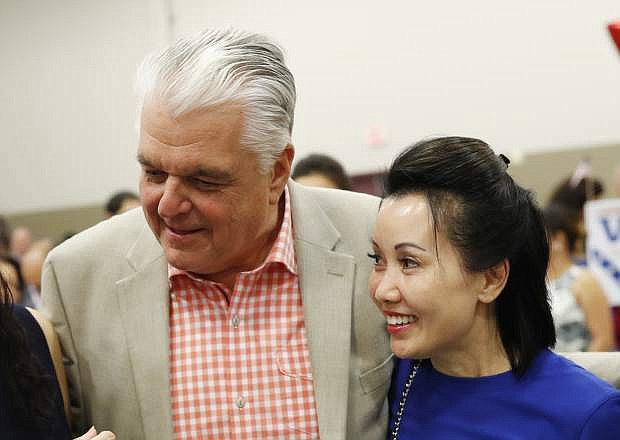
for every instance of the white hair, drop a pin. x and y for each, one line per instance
(227, 66)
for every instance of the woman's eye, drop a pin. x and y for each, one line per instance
(408, 263)
(374, 257)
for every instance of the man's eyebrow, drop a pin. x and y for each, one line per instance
(143, 160)
(212, 174)
(223, 176)
(409, 244)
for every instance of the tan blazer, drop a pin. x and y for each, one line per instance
(606, 365)
(106, 292)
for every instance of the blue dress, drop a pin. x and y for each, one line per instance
(555, 399)
(57, 429)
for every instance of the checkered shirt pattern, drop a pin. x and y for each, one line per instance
(240, 369)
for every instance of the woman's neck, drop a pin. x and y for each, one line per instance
(479, 353)
(468, 364)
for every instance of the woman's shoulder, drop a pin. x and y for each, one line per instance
(39, 334)
(573, 398)
(42, 323)
(553, 373)
(602, 424)
(584, 279)
(27, 318)
(49, 351)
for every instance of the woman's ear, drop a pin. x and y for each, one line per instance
(493, 281)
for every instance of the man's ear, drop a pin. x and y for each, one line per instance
(280, 172)
(493, 281)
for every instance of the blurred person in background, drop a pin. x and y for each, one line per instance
(581, 313)
(21, 240)
(32, 267)
(320, 170)
(574, 192)
(616, 181)
(5, 236)
(121, 202)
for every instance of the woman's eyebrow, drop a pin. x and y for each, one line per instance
(409, 244)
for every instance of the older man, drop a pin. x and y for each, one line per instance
(234, 304)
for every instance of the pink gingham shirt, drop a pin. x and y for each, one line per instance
(242, 370)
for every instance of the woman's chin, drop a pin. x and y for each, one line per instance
(406, 352)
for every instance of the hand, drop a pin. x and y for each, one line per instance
(92, 435)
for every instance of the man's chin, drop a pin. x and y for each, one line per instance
(183, 260)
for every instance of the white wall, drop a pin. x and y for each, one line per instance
(524, 76)
(67, 119)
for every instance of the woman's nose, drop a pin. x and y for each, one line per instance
(386, 288)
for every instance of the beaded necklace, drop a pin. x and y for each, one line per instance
(403, 400)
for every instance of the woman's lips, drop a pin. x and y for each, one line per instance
(399, 322)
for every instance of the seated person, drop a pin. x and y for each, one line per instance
(33, 388)
(460, 254)
(581, 313)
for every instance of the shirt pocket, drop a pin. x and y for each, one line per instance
(294, 370)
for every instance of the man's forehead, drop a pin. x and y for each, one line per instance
(222, 123)
(154, 111)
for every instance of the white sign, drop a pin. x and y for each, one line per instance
(603, 245)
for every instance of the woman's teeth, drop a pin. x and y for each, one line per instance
(400, 319)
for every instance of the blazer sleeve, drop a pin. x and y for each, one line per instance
(54, 309)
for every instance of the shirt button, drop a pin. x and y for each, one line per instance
(235, 321)
(240, 402)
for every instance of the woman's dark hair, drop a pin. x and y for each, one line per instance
(325, 165)
(28, 388)
(11, 261)
(575, 196)
(488, 218)
(5, 236)
(561, 218)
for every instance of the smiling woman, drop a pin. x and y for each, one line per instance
(460, 254)
(433, 307)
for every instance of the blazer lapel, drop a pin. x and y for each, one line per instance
(144, 308)
(326, 281)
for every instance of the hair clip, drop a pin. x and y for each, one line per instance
(505, 160)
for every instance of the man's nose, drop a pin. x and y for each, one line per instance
(175, 199)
